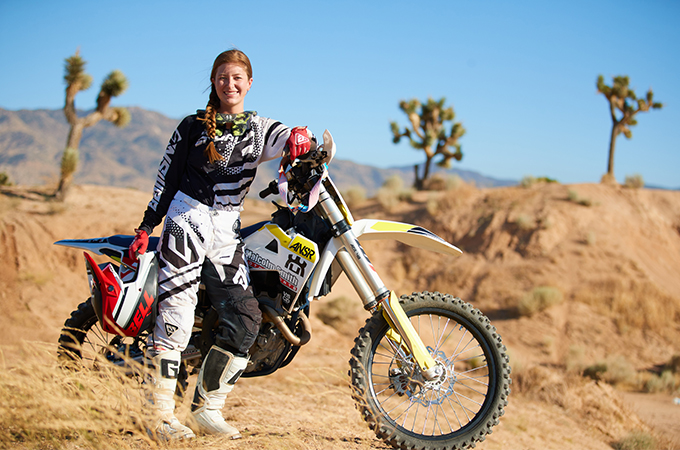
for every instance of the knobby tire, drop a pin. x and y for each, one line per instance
(460, 408)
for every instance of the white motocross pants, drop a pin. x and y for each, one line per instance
(194, 234)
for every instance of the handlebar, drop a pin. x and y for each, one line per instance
(302, 174)
(272, 189)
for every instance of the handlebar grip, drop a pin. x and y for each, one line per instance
(272, 189)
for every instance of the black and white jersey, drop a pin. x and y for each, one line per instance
(225, 183)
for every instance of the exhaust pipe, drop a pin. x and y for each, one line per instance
(272, 316)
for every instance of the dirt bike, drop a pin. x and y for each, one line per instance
(428, 370)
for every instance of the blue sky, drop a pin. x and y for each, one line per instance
(520, 74)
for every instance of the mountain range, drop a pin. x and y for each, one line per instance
(32, 142)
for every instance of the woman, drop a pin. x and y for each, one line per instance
(202, 181)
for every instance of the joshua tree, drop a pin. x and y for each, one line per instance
(77, 80)
(623, 106)
(428, 133)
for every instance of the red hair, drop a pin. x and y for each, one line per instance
(232, 56)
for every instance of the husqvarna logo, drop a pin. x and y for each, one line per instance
(296, 265)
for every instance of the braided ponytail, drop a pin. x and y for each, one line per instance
(210, 125)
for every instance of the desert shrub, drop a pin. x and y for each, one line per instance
(613, 370)
(574, 359)
(354, 196)
(453, 183)
(392, 192)
(632, 304)
(387, 198)
(595, 371)
(637, 440)
(634, 181)
(609, 179)
(524, 222)
(527, 181)
(4, 179)
(436, 182)
(574, 197)
(665, 382)
(432, 206)
(674, 364)
(539, 299)
(340, 313)
(405, 195)
(394, 182)
(591, 238)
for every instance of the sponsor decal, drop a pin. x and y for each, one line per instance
(303, 250)
(361, 254)
(256, 261)
(170, 329)
(141, 312)
(300, 139)
(424, 232)
(241, 277)
(296, 265)
(169, 368)
(159, 186)
(286, 298)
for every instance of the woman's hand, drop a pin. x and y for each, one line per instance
(298, 143)
(139, 245)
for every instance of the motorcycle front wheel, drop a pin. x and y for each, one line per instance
(453, 411)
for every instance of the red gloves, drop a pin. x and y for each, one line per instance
(139, 245)
(298, 143)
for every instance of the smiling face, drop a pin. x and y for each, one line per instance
(231, 83)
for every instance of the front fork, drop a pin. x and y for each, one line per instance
(373, 292)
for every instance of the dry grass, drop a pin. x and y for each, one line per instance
(340, 313)
(595, 405)
(525, 222)
(45, 405)
(539, 299)
(637, 440)
(666, 381)
(634, 181)
(387, 198)
(354, 196)
(393, 192)
(631, 303)
(5, 179)
(574, 196)
(615, 370)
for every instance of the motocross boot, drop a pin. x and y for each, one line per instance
(219, 372)
(165, 369)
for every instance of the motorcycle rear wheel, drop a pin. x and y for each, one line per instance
(84, 343)
(453, 412)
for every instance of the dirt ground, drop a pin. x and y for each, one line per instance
(513, 239)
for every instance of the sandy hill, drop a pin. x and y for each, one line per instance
(603, 260)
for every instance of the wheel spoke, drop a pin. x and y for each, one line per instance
(414, 411)
(457, 396)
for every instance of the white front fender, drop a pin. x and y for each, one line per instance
(371, 229)
(413, 235)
